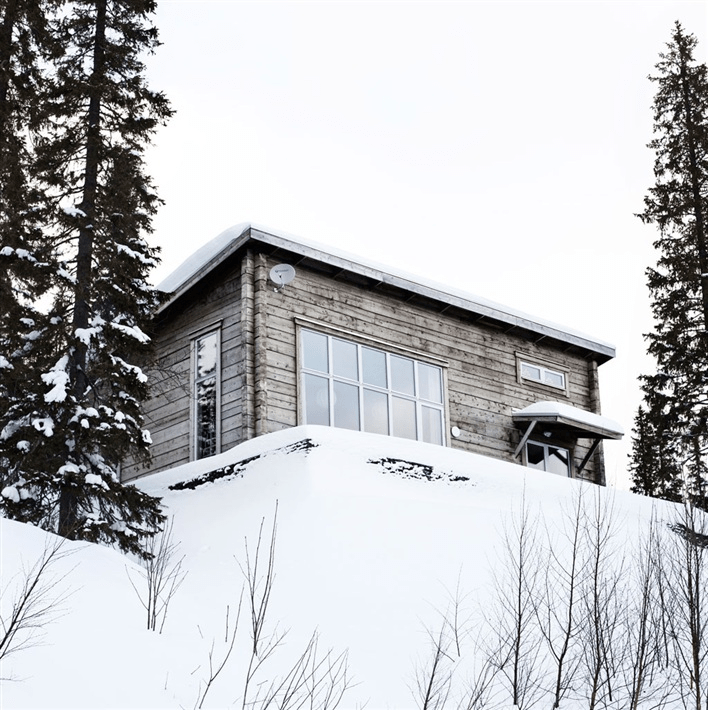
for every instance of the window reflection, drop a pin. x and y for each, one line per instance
(206, 355)
(346, 406)
(432, 425)
(316, 400)
(344, 360)
(402, 377)
(557, 461)
(535, 456)
(206, 417)
(373, 363)
(206, 363)
(404, 424)
(430, 382)
(375, 412)
(314, 351)
(545, 457)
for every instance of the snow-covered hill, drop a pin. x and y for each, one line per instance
(374, 537)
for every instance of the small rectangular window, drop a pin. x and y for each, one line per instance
(546, 457)
(404, 423)
(543, 375)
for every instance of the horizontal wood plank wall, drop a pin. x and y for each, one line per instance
(259, 361)
(168, 411)
(483, 386)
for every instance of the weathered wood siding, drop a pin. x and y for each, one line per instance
(259, 375)
(169, 410)
(483, 387)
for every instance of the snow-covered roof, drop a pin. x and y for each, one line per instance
(215, 252)
(582, 421)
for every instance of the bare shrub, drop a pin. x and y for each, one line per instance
(162, 574)
(602, 607)
(642, 634)
(32, 599)
(685, 576)
(518, 653)
(433, 680)
(558, 605)
(315, 680)
(217, 666)
(459, 643)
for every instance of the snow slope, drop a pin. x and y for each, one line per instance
(366, 555)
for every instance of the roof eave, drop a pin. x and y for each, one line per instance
(602, 352)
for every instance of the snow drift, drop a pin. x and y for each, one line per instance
(374, 537)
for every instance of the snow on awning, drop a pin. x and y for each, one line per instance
(580, 422)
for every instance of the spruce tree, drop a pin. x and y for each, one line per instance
(26, 252)
(77, 415)
(654, 467)
(676, 395)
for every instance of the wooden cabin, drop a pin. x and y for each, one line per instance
(262, 331)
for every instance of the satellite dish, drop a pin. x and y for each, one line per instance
(282, 274)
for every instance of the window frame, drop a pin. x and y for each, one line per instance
(194, 380)
(553, 368)
(389, 351)
(546, 445)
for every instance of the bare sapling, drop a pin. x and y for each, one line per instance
(665, 599)
(433, 681)
(434, 678)
(31, 600)
(602, 603)
(686, 577)
(162, 574)
(642, 622)
(558, 607)
(479, 685)
(518, 656)
(315, 680)
(258, 586)
(217, 666)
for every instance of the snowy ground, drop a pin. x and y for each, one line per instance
(367, 555)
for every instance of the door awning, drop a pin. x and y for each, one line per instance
(577, 422)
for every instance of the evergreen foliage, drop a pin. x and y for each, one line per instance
(676, 396)
(654, 467)
(72, 383)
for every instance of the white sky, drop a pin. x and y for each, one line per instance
(496, 146)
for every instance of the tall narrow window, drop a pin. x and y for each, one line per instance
(353, 386)
(206, 395)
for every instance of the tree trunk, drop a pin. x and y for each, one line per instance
(8, 24)
(68, 500)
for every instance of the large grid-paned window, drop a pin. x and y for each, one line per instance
(206, 382)
(546, 457)
(354, 386)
